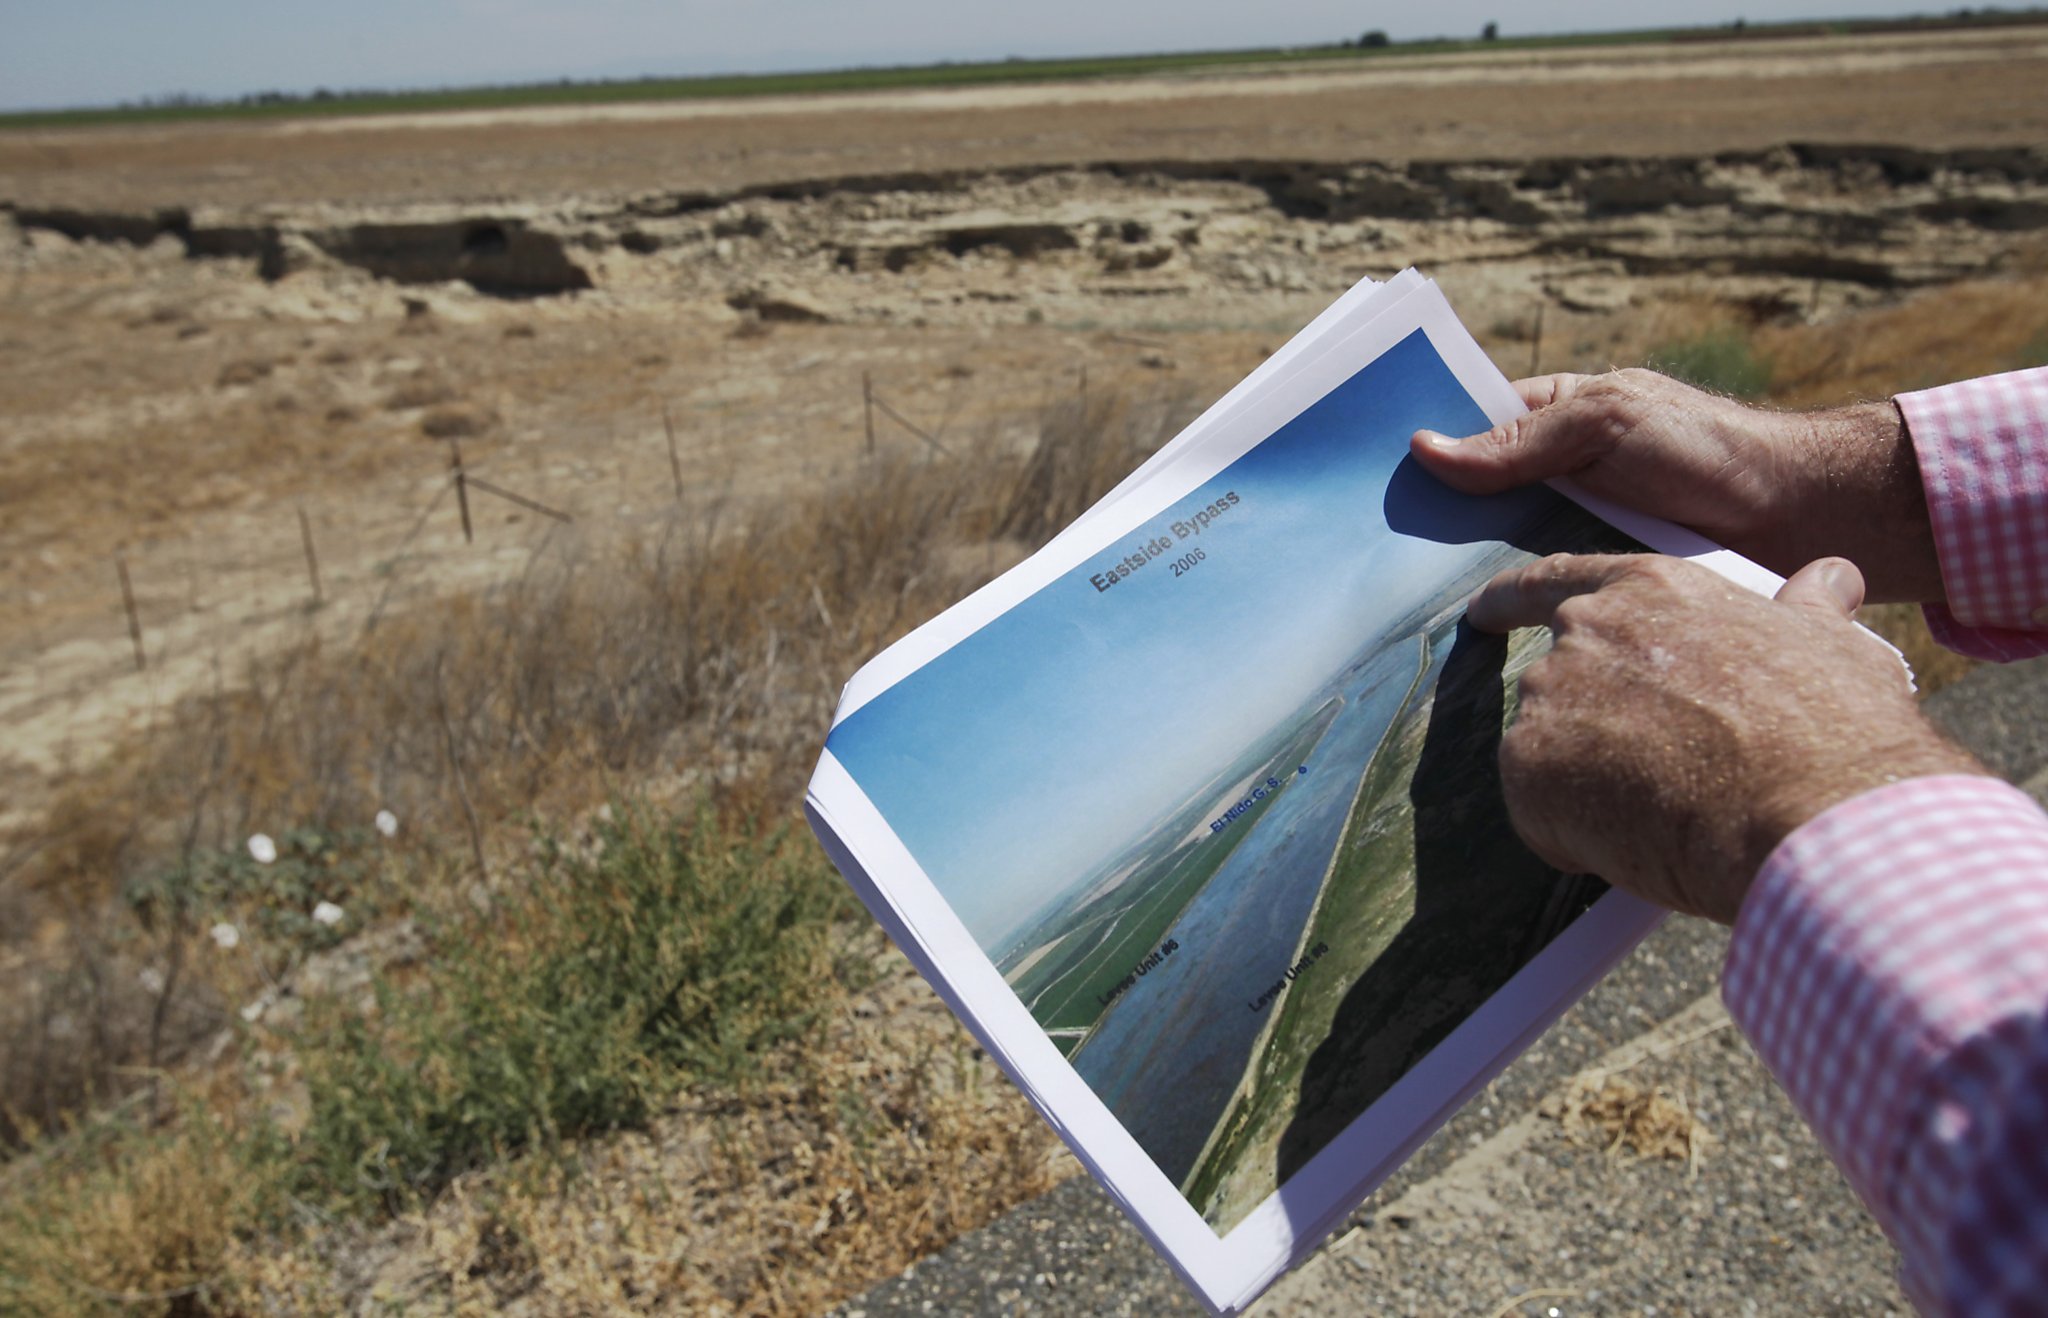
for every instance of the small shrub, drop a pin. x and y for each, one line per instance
(275, 900)
(244, 372)
(456, 421)
(417, 393)
(1723, 360)
(116, 1218)
(597, 984)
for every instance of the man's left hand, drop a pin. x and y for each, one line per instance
(1682, 726)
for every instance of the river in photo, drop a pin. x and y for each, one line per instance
(1168, 1058)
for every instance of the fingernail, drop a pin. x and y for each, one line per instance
(1845, 582)
(1436, 440)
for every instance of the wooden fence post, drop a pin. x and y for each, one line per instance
(675, 465)
(867, 408)
(134, 619)
(461, 490)
(312, 559)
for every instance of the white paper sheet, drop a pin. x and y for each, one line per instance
(1228, 1269)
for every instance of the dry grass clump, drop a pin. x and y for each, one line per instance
(457, 421)
(893, 1137)
(1953, 332)
(246, 371)
(1619, 1115)
(88, 1019)
(417, 392)
(117, 1217)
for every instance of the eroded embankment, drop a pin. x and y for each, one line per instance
(881, 247)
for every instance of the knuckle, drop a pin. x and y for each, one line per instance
(1659, 570)
(1619, 402)
(1576, 612)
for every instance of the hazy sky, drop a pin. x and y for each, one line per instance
(87, 52)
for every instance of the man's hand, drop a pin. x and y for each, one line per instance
(1682, 726)
(1782, 488)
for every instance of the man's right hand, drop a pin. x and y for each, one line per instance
(1782, 488)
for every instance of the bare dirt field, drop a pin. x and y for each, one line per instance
(1937, 90)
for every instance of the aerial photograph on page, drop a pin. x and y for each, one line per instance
(1218, 803)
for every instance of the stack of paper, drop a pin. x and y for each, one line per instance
(1194, 818)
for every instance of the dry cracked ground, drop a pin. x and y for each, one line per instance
(226, 348)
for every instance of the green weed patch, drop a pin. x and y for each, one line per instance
(599, 982)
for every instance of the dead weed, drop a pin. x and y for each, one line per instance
(1619, 1115)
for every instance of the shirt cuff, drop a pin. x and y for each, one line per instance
(1982, 446)
(2000, 645)
(1880, 946)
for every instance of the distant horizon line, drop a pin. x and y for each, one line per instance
(1370, 43)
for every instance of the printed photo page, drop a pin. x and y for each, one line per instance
(1193, 817)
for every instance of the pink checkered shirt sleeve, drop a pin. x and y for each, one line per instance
(1891, 966)
(1983, 452)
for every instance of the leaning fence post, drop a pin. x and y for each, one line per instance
(675, 465)
(312, 559)
(867, 409)
(134, 619)
(461, 490)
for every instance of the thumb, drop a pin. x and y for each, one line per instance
(1832, 585)
(1560, 436)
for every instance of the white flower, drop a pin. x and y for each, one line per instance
(262, 848)
(151, 979)
(225, 935)
(327, 913)
(254, 1011)
(387, 823)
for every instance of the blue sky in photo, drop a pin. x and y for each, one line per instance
(97, 52)
(1045, 742)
